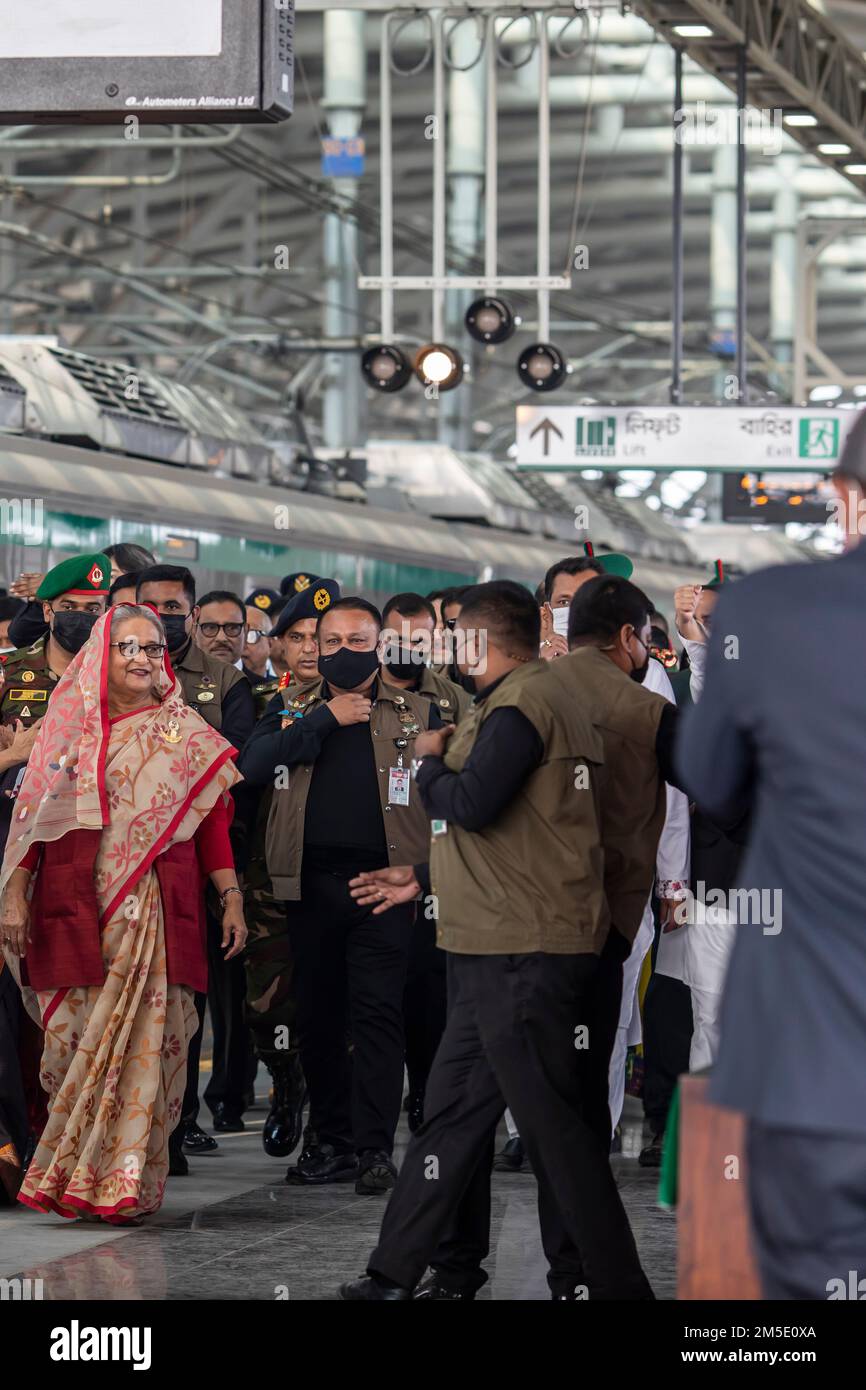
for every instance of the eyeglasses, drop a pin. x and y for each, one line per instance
(130, 647)
(254, 635)
(230, 629)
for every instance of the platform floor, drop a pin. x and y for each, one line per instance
(234, 1230)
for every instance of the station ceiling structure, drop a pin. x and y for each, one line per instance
(226, 257)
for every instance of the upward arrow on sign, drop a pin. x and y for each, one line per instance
(545, 426)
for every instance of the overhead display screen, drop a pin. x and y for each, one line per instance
(163, 61)
(110, 28)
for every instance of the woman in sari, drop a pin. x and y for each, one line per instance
(122, 814)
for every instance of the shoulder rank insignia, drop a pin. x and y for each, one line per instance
(33, 696)
(28, 676)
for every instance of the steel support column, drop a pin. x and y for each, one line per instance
(343, 401)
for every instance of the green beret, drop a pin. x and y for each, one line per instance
(84, 574)
(612, 563)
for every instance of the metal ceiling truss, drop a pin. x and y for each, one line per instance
(798, 60)
(814, 235)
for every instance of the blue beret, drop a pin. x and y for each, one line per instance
(311, 602)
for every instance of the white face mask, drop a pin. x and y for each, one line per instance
(560, 621)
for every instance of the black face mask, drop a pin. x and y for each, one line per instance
(347, 670)
(406, 668)
(71, 630)
(638, 673)
(175, 630)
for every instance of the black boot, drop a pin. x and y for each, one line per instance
(282, 1129)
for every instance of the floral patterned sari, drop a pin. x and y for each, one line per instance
(114, 1059)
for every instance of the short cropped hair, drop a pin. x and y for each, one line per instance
(602, 607)
(168, 574)
(123, 581)
(572, 564)
(408, 605)
(224, 596)
(508, 611)
(362, 605)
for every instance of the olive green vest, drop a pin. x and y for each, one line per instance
(633, 799)
(205, 683)
(533, 879)
(396, 720)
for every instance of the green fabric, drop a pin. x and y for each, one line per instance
(669, 1175)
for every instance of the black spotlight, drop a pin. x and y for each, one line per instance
(438, 365)
(386, 368)
(490, 320)
(542, 367)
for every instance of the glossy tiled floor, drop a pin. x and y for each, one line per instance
(234, 1230)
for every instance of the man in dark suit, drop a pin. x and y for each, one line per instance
(781, 721)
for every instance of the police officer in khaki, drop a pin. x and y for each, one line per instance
(214, 689)
(407, 642)
(338, 756)
(407, 637)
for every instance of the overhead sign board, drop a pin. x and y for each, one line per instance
(721, 438)
(165, 61)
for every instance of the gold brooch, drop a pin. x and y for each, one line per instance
(172, 734)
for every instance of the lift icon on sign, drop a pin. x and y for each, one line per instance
(819, 439)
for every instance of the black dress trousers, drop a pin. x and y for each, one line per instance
(510, 1039)
(226, 996)
(424, 1003)
(466, 1241)
(350, 972)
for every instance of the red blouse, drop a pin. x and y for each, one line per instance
(212, 845)
(65, 950)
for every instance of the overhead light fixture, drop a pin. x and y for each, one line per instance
(386, 368)
(855, 169)
(799, 118)
(438, 365)
(693, 31)
(834, 149)
(490, 320)
(542, 367)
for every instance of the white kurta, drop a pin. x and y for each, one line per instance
(672, 863)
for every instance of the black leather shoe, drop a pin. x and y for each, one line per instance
(651, 1156)
(431, 1288)
(282, 1131)
(510, 1159)
(376, 1173)
(196, 1142)
(177, 1165)
(415, 1112)
(368, 1291)
(227, 1121)
(323, 1164)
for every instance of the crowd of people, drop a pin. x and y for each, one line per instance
(460, 856)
